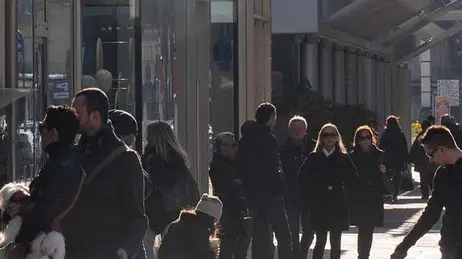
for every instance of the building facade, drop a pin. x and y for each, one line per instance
(202, 66)
(355, 52)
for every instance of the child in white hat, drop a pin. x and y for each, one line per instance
(189, 236)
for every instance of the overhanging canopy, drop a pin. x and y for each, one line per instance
(393, 24)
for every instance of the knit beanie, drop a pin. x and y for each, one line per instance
(210, 205)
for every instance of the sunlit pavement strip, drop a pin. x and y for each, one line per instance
(399, 219)
(386, 239)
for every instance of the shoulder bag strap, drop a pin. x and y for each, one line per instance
(106, 161)
(76, 197)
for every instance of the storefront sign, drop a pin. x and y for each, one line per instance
(61, 90)
(450, 90)
(442, 107)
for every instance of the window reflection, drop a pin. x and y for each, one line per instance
(107, 35)
(222, 89)
(159, 61)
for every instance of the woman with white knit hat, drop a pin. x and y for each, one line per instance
(189, 236)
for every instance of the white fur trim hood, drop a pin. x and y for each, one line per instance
(44, 246)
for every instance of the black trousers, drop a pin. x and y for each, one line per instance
(308, 233)
(335, 244)
(365, 235)
(235, 236)
(268, 216)
(294, 215)
(396, 174)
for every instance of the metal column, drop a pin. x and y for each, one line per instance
(11, 75)
(76, 45)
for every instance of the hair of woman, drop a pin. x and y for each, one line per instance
(338, 146)
(392, 123)
(364, 128)
(162, 137)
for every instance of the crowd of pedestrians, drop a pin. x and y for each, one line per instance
(108, 201)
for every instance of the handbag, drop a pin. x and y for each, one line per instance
(184, 194)
(407, 183)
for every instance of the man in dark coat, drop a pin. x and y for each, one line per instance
(421, 164)
(108, 220)
(441, 148)
(126, 129)
(260, 166)
(293, 153)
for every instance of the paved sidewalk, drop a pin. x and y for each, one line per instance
(400, 217)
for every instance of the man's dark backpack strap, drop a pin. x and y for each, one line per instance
(106, 161)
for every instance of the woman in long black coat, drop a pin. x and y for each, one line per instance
(394, 143)
(323, 181)
(366, 198)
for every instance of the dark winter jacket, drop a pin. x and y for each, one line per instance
(366, 198)
(164, 174)
(52, 191)
(323, 184)
(109, 214)
(186, 238)
(443, 196)
(419, 158)
(223, 175)
(259, 163)
(292, 157)
(394, 144)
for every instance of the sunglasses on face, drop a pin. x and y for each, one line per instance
(432, 153)
(362, 138)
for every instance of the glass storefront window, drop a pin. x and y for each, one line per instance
(222, 66)
(108, 50)
(159, 62)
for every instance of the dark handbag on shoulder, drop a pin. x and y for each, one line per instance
(184, 194)
(407, 183)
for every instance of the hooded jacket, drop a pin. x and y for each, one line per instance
(258, 161)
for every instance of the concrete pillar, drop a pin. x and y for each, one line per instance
(406, 99)
(379, 89)
(310, 62)
(351, 76)
(369, 73)
(387, 89)
(395, 89)
(361, 76)
(339, 74)
(326, 69)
